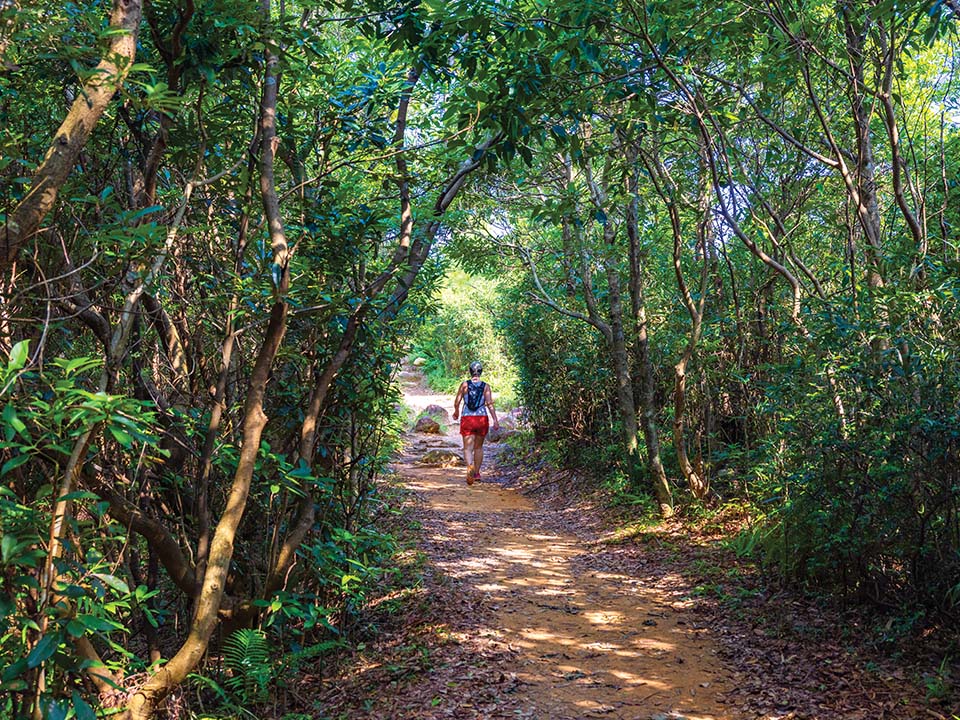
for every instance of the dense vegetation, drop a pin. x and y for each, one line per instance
(760, 243)
(466, 326)
(727, 248)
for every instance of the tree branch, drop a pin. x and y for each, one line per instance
(23, 222)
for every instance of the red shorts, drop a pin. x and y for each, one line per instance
(474, 425)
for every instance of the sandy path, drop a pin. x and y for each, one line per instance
(587, 641)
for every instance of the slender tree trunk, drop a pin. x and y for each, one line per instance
(213, 584)
(616, 337)
(219, 403)
(644, 366)
(868, 208)
(648, 405)
(620, 360)
(23, 222)
(666, 189)
(145, 701)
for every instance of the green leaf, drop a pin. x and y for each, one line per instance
(79, 495)
(14, 670)
(114, 582)
(18, 355)
(27, 581)
(122, 436)
(72, 590)
(14, 462)
(54, 711)
(93, 622)
(13, 423)
(43, 650)
(148, 614)
(301, 471)
(80, 707)
(71, 366)
(7, 546)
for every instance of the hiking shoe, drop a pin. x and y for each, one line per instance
(476, 476)
(471, 474)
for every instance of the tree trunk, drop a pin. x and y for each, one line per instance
(621, 367)
(647, 395)
(865, 197)
(75, 130)
(651, 433)
(666, 188)
(145, 701)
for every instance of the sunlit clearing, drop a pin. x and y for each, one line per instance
(635, 680)
(653, 644)
(519, 553)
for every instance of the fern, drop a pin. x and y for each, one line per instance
(227, 706)
(246, 656)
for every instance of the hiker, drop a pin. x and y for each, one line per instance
(477, 400)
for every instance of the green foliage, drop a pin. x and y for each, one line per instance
(88, 598)
(41, 426)
(867, 508)
(565, 384)
(569, 99)
(622, 495)
(467, 327)
(939, 684)
(250, 664)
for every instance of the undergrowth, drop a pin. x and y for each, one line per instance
(281, 668)
(466, 328)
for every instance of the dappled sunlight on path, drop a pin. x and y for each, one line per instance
(586, 642)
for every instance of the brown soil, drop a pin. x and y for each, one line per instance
(545, 632)
(532, 610)
(585, 643)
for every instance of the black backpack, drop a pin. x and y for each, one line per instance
(475, 395)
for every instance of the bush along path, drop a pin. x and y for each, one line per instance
(533, 610)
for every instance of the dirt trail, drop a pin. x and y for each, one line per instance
(585, 640)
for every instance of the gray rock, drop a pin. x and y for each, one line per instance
(438, 413)
(519, 415)
(441, 458)
(419, 362)
(427, 425)
(500, 434)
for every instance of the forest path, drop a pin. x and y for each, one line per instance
(583, 639)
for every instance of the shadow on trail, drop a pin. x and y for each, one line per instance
(586, 641)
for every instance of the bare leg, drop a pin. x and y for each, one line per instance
(478, 454)
(468, 450)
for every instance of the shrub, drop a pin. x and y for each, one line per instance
(467, 327)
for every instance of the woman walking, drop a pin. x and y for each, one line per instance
(474, 424)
